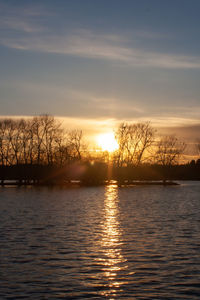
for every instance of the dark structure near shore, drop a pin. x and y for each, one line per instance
(94, 174)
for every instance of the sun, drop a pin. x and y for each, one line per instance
(107, 142)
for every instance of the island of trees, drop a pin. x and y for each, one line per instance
(39, 150)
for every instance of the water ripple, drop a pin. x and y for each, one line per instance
(100, 243)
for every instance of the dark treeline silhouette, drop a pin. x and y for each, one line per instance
(96, 173)
(40, 140)
(39, 151)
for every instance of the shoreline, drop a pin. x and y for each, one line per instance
(80, 184)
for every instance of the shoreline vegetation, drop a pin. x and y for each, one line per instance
(87, 174)
(78, 184)
(39, 151)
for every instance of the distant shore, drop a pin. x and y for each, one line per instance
(80, 184)
(96, 174)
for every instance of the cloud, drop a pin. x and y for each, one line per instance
(71, 100)
(22, 27)
(91, 126)
(64, 100)
(19, 25)
(179, 115)
(87, 44)
(22, 19)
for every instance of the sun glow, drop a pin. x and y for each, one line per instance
(107, 142)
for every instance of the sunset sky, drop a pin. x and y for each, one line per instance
(96, 62)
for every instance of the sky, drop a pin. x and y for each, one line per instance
(96, 63)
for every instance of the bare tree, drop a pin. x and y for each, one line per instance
(13, 136)
(24, 135)
(61, 148)
(2, 139)
(75, 144)
(40, 140)
(4, 142)
(122, 135)
(30, 147)
(45, 133)
(198, 147)
(169, 150)
(168, 153)
(133, 141)
(38, 137)
(52, 129)
(14, 140)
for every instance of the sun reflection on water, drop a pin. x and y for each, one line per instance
(112, 261)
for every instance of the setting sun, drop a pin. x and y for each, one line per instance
(107, 142)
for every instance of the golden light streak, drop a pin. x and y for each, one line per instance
(113, 261)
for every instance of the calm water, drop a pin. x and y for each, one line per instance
(100, 242)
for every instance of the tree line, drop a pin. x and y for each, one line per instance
(38, 148)
(40, 140)
(138, 143)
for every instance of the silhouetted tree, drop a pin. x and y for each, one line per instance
(168, 152)
(61, 151)
(39, 140)
(75, 144)
(198, 147)
(133, 141)
(52, 128)
(45, 132)
(5, 142)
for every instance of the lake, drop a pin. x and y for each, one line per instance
(104, 242)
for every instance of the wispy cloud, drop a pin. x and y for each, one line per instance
(90, 126)
(24, 27)
(14, 23)
(90, 45)
(83, 102)
(185, 114)
(22, 19)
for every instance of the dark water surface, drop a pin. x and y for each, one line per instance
(139, 242)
